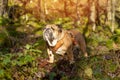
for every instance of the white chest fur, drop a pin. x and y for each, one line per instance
(53, 43)
(61, 50)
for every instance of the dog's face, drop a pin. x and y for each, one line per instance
(51, 32)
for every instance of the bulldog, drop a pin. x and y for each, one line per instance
(78, 41)
(62, 42)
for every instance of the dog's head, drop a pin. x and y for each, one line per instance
(51, 32)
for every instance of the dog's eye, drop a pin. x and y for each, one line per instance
(52, 28)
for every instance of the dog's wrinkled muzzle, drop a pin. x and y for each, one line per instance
(48, 34)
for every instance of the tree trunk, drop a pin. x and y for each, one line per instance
(97, 12)
(93, 15)
(65, 8)
(109, 12)
(113, 15)
(3, 7)
(39, 6)
(43, 10)
(77, 12)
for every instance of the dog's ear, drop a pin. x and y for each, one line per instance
(60, 27)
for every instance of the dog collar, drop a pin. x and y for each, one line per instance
(59, 44)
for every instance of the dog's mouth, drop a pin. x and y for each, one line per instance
(48, 34)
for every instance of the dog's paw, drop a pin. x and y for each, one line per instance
(72, 62)
(50, 61)
(86, 54)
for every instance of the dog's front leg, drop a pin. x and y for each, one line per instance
(51, 56)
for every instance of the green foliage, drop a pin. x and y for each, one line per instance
(9, 62)
(30, 48)
(52, 75)
(117, 31)
(4, 21)
(23, 64)
(22, 48)
(109, 44)
(22, 60)
(116, 36)
(66, 23)
(2, 38)
(2, 72)
(88, 72)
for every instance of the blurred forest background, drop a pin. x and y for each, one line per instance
(23, 50)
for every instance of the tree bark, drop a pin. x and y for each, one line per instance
(65, 8)
(3, 7)
(97, 12)
(43, 10)
(109, 12)
(113, 15)
(77, 12)
(93, 15)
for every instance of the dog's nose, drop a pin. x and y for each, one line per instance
(47, 29)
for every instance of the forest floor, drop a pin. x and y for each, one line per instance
(23, 57)
(101, 66)
(31, 64)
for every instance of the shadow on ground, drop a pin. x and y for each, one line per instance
(105, 66)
